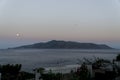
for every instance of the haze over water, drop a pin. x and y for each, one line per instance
(35, 58)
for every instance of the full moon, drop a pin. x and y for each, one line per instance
(17, 35)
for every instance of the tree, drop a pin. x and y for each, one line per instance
(25, 75)
(100, 63)
(83, 73)
(118, 57)
(52, 76)
(41, 70)
(10, 72)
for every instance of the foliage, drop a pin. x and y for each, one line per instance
(10, 72)
(52, 76)
(25, 75)
(40, 70)
(83, 73)
(99, 63)
(118, 57)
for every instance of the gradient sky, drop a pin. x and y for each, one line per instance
(95, 21)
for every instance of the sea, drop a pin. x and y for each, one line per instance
(36, 58)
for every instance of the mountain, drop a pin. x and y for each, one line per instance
(54, 44)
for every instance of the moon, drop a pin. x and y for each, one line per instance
(18, 35)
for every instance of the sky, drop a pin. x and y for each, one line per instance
(29, 21)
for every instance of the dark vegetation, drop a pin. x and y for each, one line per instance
(13, 72)
(10, 72)
(118, 58)
(64, 45)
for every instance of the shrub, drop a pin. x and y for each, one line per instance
(118, 57)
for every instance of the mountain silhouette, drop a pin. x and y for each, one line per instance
(55, 44)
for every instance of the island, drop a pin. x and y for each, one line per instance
(57, 44)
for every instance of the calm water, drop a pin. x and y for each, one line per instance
(34, 58)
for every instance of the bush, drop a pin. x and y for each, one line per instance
(52, 76)
(10, 72)
(83, 73)
(118, 57)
